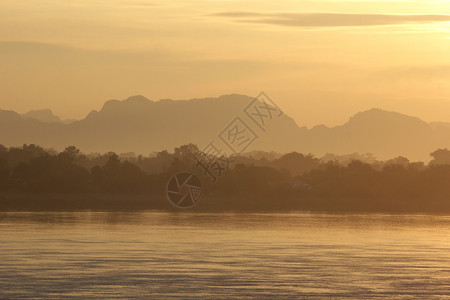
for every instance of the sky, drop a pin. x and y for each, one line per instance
(321, 61)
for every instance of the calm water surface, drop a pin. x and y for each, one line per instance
(165, 255)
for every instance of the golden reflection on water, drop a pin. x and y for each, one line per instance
(94, 254)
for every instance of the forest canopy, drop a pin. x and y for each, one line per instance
(261, 179)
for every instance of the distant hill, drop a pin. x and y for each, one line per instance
(383, 133)
(140, 125)
(45, 116)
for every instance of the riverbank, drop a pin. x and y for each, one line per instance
(213, 203)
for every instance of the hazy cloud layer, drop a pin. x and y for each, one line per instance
(331, 19)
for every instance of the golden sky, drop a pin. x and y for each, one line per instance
(321, 61)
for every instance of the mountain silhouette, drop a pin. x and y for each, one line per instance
(140, 125)
(383, 133)
(43, 115)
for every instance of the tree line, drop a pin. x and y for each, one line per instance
(258, 178)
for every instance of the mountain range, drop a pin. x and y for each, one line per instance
(140, 125)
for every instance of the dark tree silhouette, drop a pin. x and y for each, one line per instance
(440, 157)
(251, 182)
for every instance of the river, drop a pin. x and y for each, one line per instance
(213, 256)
